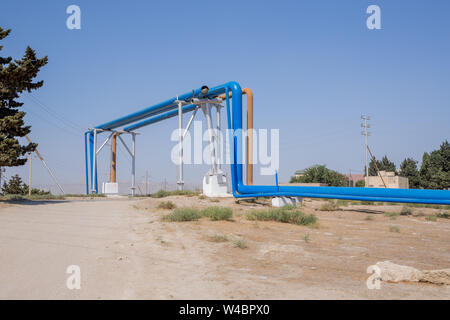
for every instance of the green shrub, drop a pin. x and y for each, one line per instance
(443, 215)
(15, 186)
(164, 193)
(394, 229)
(18, 197)
(329, 206)
(283, 215)
(341, 202)
(391, 214)
(167, 205)
(217, 213)
(83, 195)
(406, 211)
(183, 214)
(431, 218)
(160, 194)
(218, 238)
(240, 243)
(306, 237)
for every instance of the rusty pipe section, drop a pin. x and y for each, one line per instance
(113, 177)
(249, 94)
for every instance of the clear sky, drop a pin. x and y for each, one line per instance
(313, 66)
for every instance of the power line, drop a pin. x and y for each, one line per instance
(66, 129)
(53, 113)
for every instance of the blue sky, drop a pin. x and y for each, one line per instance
(313, 66)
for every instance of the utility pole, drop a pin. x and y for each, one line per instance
(365, 133)
(350, 178)
(45, 165)
(29, 175)
(146, 182)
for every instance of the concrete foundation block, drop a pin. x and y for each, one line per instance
(215, 186)
(110, 188)
(282, 201)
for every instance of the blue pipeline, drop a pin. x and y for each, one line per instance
(86, 160)
(159, 118)
(240, 190)
(94, 178)
(150, 111)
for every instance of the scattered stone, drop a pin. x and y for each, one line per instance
(392, 272)
(436, 276)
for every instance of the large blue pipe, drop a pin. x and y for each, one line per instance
(150, 111)
(86, 160)
(240, 190)
(159, 118)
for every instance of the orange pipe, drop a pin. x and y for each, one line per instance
(249, 94)
(113, 157)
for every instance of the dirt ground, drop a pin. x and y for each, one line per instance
(125, 251)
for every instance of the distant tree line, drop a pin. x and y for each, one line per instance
(434, 171)
(17, 187)
(321, 174)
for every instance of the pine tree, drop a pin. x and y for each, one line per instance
(408, 169)
(384, 165)
(435, 169)
(16, 76)
(14, 186)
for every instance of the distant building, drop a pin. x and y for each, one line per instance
(301, 173)
(390, 179)
(354, 178)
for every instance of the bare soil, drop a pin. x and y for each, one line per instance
(126, 251)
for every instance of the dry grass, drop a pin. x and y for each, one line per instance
(218, 238)
(169, 205)
(164, 193)
(217, 213)
(183, 214)
(193, 214)
(329, 206)
(240, 243)
(406, 211)
(284, 214)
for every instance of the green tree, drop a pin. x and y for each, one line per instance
(14, 186)
(16, 76)
(321, 174)
(384, 165)
(408, 169)
(435, 169)
(360, 184)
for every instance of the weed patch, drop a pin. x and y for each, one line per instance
(283, 215)
(183, 214)
(217, 213)
(167, 205)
